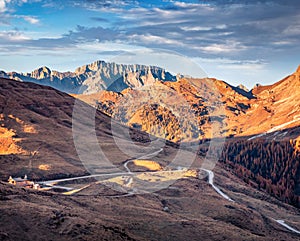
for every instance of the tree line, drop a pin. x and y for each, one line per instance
(272, 166)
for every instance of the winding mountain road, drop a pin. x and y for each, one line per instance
(70, 191)
(210, 173)
(52, 182)
(211, 182)
(282, 222)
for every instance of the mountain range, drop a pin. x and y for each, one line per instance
(210, 101)
(94, 77)
(233, 111)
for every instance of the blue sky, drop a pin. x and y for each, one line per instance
(239, 41)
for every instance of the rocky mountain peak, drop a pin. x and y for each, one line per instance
(96, 65)
(82, 70)
(243, 87)
(41, 73)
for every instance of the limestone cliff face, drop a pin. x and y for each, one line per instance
(94, 77)
(41, 73)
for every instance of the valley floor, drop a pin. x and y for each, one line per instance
(195, 211)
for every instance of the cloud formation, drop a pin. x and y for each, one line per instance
(242, 33)
(209, 27)
(30, 19)
(228, 27)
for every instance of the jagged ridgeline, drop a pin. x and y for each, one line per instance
(94, 77)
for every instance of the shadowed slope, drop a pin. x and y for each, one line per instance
(36, 130)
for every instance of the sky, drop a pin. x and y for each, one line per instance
(239, 41)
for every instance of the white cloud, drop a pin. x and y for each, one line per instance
(31, 19)
(242, 67)
(292, 30)
(228, 47)
(7, 9)
(216, 60)
(14, 36)
(203, 28)
(3, 5)
(148, 39)
(196, 28)
(283, 43)
(97, 46)
(191, 5)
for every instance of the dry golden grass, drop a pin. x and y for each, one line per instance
(191, 173)
(8, 144)
(165, 176)
(151, 165)
(26, 128)
(44, 167)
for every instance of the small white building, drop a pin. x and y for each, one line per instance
(23, 182)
